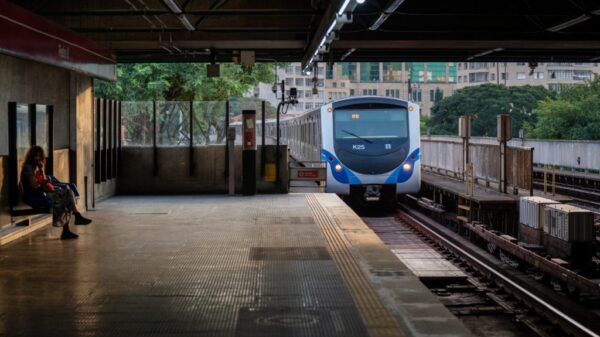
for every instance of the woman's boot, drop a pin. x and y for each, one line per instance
(80, 220)
(67, 234)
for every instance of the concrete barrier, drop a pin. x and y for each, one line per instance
(173, 176)
(567, 154)
(444, 154)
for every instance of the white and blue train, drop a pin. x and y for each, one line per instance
(370, 145)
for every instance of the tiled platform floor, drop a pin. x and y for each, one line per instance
(198, 266)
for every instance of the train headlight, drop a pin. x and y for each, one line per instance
(338, 167)
(407, 167)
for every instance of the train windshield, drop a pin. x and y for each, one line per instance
(371, 124)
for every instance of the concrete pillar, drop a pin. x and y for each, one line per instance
(81, 117)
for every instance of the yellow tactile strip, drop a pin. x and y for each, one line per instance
(376, 317)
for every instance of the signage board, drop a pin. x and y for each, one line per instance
(26, 35)
(308, 173)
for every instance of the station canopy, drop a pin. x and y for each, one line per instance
(376, 30)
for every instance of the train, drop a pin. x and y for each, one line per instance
(370, 144)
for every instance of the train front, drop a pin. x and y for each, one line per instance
(371, 146)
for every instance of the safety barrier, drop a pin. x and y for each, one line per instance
(444, 154)
(307, 171)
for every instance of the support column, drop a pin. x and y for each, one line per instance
(464, 131)
(82, 136)
(249, 152)
(504, 134)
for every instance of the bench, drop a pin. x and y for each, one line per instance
(29, 211)
(24, 210)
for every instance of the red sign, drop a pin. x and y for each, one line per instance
(26, 35)
(249, 120)
(308, 173)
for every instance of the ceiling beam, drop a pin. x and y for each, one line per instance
(182, 29)
(217, 4)
(466, 44)
(328, 16)
(204, 44)
(206, 12)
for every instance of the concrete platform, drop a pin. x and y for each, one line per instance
(481, 194)
(284, 265)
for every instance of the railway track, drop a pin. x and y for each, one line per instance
(511, 292)
(581, 192)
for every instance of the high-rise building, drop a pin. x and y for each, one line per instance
(424, 83)
(553, 76)
(310, 88)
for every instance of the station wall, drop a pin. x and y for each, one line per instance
(71, 96)
(137, 174)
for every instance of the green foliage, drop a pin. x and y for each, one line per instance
(484, 103)
(572, 114)
(423, 121)
(177, 82)
(182, 81)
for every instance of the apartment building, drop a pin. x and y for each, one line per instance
(310, 89)
(424, 83)
(421, 82)
(553, 76)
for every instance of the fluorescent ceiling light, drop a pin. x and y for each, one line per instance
(343, 8)
(173, 6)
(323, 40)
(567, 24)
(186, 22)
(386, 14)
(331, 27)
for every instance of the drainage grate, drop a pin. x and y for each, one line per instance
(279, 322)
(289, 253)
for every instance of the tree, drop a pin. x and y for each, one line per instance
(176, 82)
(572, 114)
(484, 103)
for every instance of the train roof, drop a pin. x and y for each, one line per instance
(368, 99)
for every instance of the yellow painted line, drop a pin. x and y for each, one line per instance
(378, 320)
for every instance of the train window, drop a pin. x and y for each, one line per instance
(371, 123)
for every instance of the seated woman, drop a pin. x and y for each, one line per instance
(39, 192)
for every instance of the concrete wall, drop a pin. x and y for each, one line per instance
(71, 95)
(103, 191)
(173, 170)
(4, 210)
(61, 164)
(565, 153)
(555, 152)
(30, 82)
(444, 154)
(82, 130)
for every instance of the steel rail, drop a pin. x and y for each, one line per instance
(505, 279)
